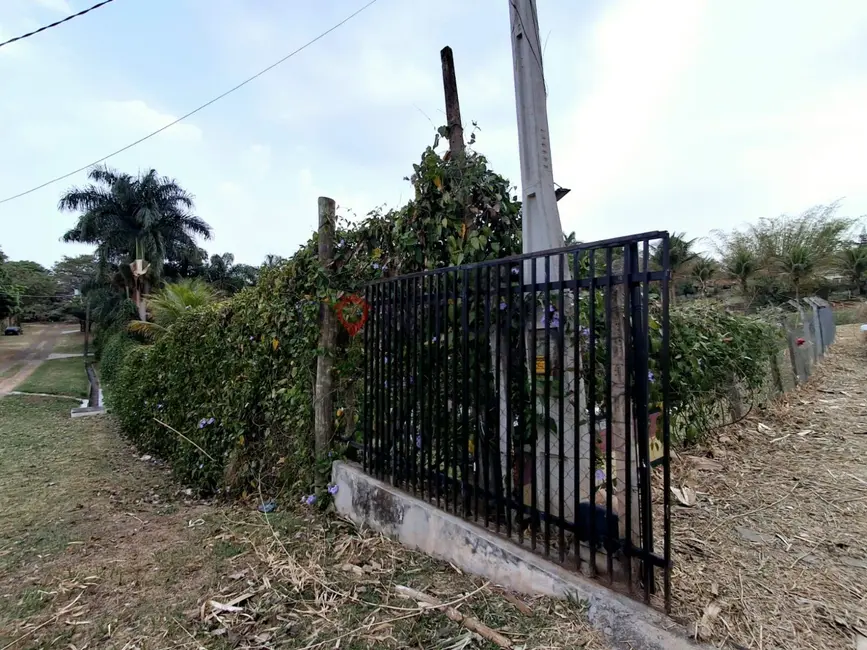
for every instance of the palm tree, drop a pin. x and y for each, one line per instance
(702, 270)
(853, 264)
(798, 263)
(273, 260)
(681, 253)
(741, 264)
(138, 221)
(170, 303)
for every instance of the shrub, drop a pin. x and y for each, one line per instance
(710, 351)
(113, 348)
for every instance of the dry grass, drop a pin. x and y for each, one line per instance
(99, 548)
(774, 553)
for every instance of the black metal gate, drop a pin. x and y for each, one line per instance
(530, 394)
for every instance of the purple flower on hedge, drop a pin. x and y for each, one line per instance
(418, 441)
(252, 338)
(650, 376)
(310, 500)
(503, 305)
(585, 331)
(375, 265)
(333, 489)
(600, 475)
(211, 420)
(202, 423)
(159, 407)
(554, 322)
(342, 242)
(552, 308)
(515, 270)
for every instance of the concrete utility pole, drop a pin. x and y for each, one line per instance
(541, 218)
(542, 231)
(453, 106)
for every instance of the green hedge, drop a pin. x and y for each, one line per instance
(226, 394)
(111, 352)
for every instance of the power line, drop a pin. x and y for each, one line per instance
(59, 22)
(195, 110)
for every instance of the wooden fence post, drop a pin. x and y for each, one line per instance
(453, 106)
(323, 411)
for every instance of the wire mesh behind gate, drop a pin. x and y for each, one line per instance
(530, 394)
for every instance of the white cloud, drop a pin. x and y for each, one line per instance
(672, 114)
(640, 52)
(136, 117)
(823, 154)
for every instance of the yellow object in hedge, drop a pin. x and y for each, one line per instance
(275, 344)
(471, 445)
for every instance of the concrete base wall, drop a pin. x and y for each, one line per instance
(424, 527)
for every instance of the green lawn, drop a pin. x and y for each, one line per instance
(58, 377)
(70, 344)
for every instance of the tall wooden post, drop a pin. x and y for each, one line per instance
(324, 395)
(87, 328)
(453, 106)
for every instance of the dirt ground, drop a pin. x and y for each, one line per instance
(100, 549)
(21, 355)
(774, 552)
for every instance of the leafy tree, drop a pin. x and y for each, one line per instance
(148, 218)
(225, 275)
(192, 263)
(853, 264)
(172, 302)
(818, 230)
(792, 249)
(36, 287)
(75, 273)
(9, 293)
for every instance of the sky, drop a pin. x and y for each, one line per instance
(679, 115)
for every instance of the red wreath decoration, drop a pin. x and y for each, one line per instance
(353, 327)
